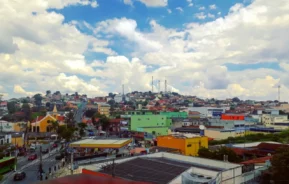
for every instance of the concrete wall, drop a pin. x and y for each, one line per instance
(218, 135)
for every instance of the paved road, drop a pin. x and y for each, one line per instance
(31, 168)
(79, 112)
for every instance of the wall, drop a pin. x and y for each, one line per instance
(218, 135)
(171, 142)
(42, 124)
(104, 109)
(6, 126)
(188, 146)
(175, 114)
(158, 130)
(138, 121)
(196, 143)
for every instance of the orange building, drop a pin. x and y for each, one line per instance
(233, 117)
(187, 145)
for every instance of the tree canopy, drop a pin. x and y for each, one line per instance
(219, 154)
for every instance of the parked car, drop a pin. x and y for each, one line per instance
(32, 157)
(55, 145)
(59, 157)
(19, 176)
(44, 151)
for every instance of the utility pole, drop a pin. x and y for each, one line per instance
(72, 163)
(113, 169)
(40, 164)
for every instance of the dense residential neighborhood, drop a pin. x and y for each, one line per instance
(245, 133)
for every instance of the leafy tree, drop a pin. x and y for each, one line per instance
(205, 153)
(103, 120)
(48, 92)
(11, 106)
(280, 165)
(54, 125)
(38, 100)
(236, 99)
(66, 132)
(82, 126)
(69, 120)
(219, 154)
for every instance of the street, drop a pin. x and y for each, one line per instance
(31, 168)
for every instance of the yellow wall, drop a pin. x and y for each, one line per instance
(19, 141)
(103, 110)
(187, 146)
(196, 143)
(18, 126)
(43, 124)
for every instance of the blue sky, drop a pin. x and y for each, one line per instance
(208, 48)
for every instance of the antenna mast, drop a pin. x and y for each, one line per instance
(166, 86)
(152, 84)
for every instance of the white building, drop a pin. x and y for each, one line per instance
(162, 167)
(6, 126)
(275, 121)
(118, 98)
(5, 138)
(208, 111)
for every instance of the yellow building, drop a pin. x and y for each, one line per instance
(42, 124)
(186, 145)
(104, 109)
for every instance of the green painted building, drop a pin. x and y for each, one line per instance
(175, 114)
(128, 114)
(153, 124)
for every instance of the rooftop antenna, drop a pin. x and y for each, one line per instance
(166, 86)
(279, 88)
(152, 84)
(123, 97)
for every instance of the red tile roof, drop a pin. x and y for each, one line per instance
(118, 120)
(194, 113)
(257, 160)
(3, 103)
(61, 118)
(270, 146)
(239, 151)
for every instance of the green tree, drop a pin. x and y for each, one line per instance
(280, 166)
(103, 120)
(66, 132)
(205, 153)
(11, 106)
(69, 119)
(82, 127)
(54, 125)
(38, 100)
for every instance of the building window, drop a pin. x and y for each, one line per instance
(189, 145)
(7, 141)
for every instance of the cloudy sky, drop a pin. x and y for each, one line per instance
(208, 48)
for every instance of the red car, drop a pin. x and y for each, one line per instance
(54, 145)
(32, 157)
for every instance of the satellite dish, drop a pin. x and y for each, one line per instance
(202, 127)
